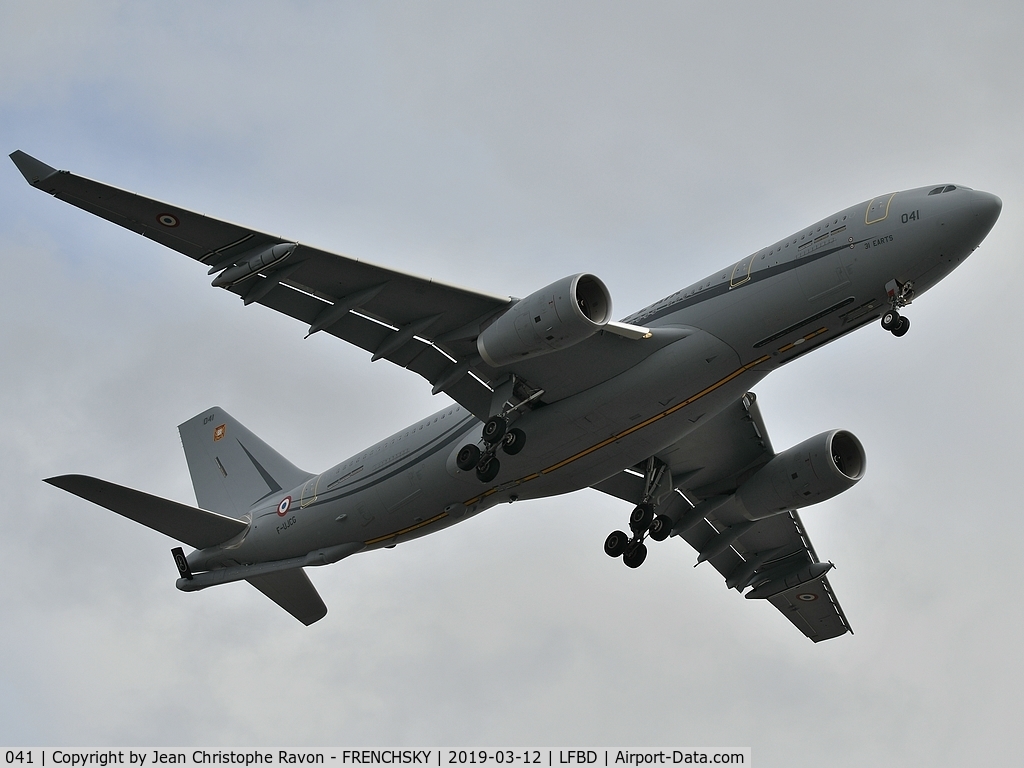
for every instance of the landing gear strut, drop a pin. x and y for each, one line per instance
(642, 521)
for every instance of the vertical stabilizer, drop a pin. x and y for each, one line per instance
(231, 468)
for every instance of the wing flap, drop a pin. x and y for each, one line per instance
(195, 527)
(293, 591)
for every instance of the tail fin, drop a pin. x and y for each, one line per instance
(231, 468)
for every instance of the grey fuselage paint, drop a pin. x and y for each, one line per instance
(710, 343)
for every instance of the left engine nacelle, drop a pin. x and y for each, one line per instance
(565, 313)
(815, 470)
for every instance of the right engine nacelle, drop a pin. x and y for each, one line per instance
(815, 470)
(565, 313)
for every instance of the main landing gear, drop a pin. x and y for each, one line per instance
(642, 522)
(900, 294)
(495, 434)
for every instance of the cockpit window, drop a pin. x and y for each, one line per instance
(936, 191)
(940, 190)
(949, 188)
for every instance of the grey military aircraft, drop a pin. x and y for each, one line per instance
(551, 396)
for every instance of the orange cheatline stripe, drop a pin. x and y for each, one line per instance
(626, 432)
(434, 519)
(808, 337)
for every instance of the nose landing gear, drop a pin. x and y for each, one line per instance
(895, 323)
(900, 295)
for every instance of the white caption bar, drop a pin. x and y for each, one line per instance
(147, 757)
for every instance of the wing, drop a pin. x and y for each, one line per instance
(774, 554)
(421, 324)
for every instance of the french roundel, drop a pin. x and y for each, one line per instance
(167, 220)
(282, 508)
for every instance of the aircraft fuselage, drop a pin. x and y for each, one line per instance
(709, 344)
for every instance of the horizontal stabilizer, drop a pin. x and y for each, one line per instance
(294, 592)
(193, 526)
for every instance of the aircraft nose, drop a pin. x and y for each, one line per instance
(986, 208)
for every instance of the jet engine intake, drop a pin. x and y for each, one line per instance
(558, 316)
(815, 470)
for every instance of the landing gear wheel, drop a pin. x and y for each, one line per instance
(641, 518)
(615, 544)
(661, 528)
(635, 557)
(494, 429)
(513, 442)
(487, 470)
(891, 320)
(469, 457)
(902, 328)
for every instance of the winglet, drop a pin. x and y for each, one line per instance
(33, 170)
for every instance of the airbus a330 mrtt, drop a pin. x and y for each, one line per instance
(551, 395)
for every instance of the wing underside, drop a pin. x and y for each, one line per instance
(711, 462)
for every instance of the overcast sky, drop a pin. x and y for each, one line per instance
(503, 146)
